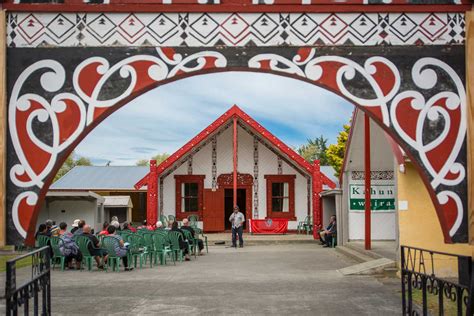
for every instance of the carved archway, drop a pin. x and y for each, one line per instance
(58, 95)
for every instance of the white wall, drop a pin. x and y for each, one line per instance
(383, 226)
(268, 164)
(383, 223)
(75, 209)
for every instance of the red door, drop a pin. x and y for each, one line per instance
(213, 210)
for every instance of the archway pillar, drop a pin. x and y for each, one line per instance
(3, 135)
(470, 118)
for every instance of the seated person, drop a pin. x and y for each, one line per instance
(43, 231)
(53, 229)
(68, 247)
(190, 229)
(120, 248)
(126, 227)
(80, 227)
(159, 225)
(183, 245)
(104, 229)
(327, 234)
(94, 247)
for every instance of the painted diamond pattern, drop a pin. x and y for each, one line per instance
(131, 25)
(60, 25)
(363, 25)
(433, 25)
(101, 26)
(161, 25)
(403, 25)
(210, 29)
(30, 26)
(304, 25)
(235, 25)
(205, 25)
(333, 25)
(264, 25)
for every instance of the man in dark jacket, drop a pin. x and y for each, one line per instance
(327, 234)
(193, 232)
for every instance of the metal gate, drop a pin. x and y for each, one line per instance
(37, 287)
(427, 280)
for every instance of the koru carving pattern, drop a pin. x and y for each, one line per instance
(57, 95)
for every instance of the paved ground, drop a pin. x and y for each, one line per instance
(297, 279)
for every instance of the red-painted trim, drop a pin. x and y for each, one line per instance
(367, 182)
(229, 8)
(152, 196)
(179, 179)
(317, 189)
(235, 149)
(290, 179)
(259, 129)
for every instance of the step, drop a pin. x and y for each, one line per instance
(354, 254)
(375, 266)
(361, 250)
(251, 242)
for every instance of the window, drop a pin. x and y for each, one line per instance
(189, 195)
(281, 196)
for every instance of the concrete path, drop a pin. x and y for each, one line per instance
(297, 279)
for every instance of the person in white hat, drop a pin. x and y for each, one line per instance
(75, 225)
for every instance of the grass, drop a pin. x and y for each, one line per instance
(19, 264)
(450, 307)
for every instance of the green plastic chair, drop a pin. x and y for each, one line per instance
(174, 238)
(164, 220)
(301, 225)
(150, 247)
(42, 241)
(308, 225)
(193, 220)
(137, 250)
(163, 250)
(192, 242)
(57, 255)
(199, 231)
(83, 243)
(113, 260)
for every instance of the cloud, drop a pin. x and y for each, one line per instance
(165, 118)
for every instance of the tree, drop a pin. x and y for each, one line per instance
(70, 163)
(158, 157)
(315, 149)
(335, 152)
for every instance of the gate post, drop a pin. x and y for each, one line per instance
(470, 120)
(317, 188)
(3, 122)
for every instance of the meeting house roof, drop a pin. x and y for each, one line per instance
(253, 127)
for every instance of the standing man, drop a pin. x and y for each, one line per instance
(237, 219)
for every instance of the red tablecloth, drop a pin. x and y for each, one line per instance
(269, 226)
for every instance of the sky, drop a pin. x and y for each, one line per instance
(165, 118)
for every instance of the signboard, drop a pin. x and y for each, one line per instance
(382, 198)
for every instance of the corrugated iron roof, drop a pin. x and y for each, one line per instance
(99, 178)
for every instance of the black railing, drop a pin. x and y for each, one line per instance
(18, 297)
(427, 276)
